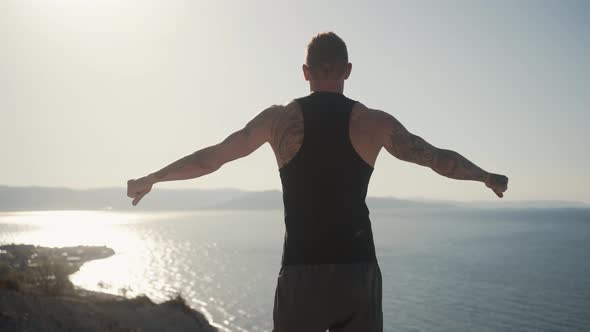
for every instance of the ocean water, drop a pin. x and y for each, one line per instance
(453, 270)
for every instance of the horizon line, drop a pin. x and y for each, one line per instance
(432, 200)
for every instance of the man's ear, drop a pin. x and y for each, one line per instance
(306, 72)
(348, 70)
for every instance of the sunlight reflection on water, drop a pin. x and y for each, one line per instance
(134, 269)
(71, 228)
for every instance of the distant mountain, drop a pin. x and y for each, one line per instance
(512, 204)
(258, 200)
(396, 203)
(48, 198)
(549, 204)
(273, 199)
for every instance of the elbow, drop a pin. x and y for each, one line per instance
(211, 166)
(207, 160)
(444, 163)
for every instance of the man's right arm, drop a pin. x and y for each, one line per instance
(207, 160)
(406, 146)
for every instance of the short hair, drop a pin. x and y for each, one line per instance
(326, 55)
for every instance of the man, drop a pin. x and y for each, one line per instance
(325, 146)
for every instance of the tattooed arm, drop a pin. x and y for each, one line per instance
(237, 145)
(406, 146)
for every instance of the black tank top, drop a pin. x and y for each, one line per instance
(324, 189)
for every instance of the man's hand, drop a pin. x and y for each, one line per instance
(138, 188)
(498, 183)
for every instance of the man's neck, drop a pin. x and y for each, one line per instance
(327, 86)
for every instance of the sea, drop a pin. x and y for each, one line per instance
(443, 270)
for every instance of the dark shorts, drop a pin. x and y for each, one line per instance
(334, 297)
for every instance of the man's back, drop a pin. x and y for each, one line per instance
(287, 131)
(324, 183)
(329, 277)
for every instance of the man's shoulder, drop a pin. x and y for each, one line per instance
(363, 112)
(273, 111)
(280, 110)
(277, 114)
(277, 108)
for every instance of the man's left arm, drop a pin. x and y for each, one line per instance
(237, 145)
(406, 146)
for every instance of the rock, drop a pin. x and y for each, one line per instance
(30, 312)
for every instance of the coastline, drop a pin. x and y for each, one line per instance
(36, 295)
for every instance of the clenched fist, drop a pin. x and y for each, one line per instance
(498, 183)
(138, 188)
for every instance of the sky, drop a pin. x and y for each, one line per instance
(96, 92)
